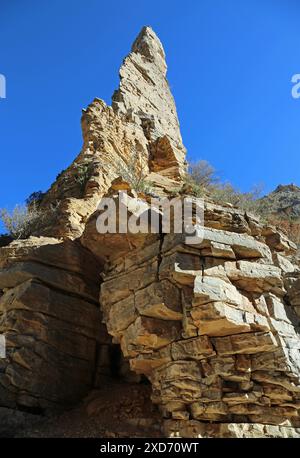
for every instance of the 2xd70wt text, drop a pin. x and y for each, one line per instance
(177, 447)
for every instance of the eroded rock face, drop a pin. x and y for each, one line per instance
(211, 325)
(49, 314)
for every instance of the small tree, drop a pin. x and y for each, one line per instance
(199, 177)
(202, 173)
(22, 221)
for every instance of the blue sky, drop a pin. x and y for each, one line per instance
(230, 67)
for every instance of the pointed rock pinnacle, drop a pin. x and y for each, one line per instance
(144, 92)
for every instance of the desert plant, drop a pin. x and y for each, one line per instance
(133, 172)
(22, 221)
(83, 172)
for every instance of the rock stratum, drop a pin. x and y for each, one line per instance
(213, 326)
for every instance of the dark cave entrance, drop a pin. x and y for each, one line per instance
(111, 365)
(119, 367)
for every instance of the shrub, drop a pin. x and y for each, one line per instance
(248, 201)
(200, 176)
(201, 180)
(191, 187)
(22, 221)
(134, 173)
(83, 172)
(202, 173)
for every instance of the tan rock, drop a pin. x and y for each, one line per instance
(277, 241)
(210, 289)
(218, 250)
(243, 245)
(245, 343)
(70, 282)
(196, 348)
(146, 363)
(127, 283)
(160, 300)
(120, 315)
(50, 348)
(284, 263)
(143, 72)
(182, 267)
(198, 429)
(254, 277)
(148, 333)
(219, 319)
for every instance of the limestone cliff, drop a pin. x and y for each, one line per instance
(213, 326)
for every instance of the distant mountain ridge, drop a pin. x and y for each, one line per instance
(283, 202)
(282, 208)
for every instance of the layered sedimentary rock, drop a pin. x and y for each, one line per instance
(213, 325)
(49, 314)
